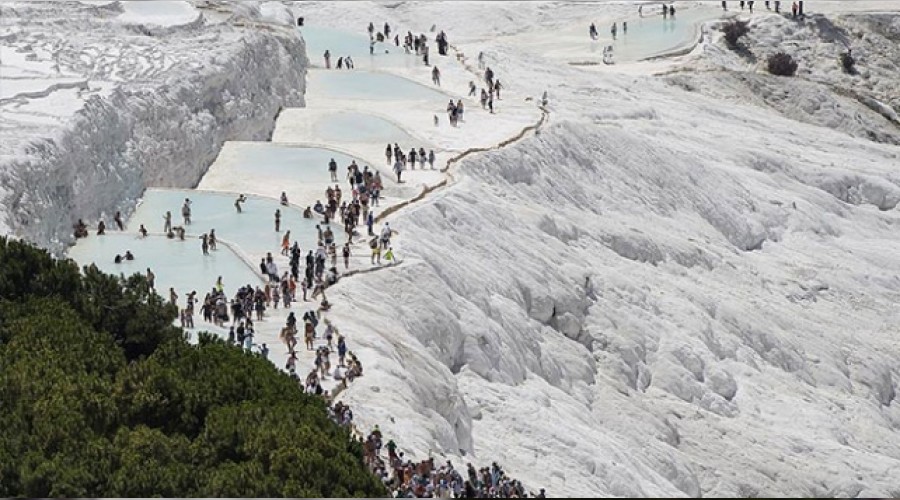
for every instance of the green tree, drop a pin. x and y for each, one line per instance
(101, 396)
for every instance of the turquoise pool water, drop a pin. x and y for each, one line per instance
(370, 85)
(252, 230)
(361, 127)
(356, 45)
(178, 264)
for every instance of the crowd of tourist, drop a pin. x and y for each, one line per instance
(407, 478)
(333, 365)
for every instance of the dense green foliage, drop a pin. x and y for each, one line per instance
(101, 396)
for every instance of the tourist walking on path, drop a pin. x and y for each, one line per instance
(398, 169)
(386, 233)
(376, 250)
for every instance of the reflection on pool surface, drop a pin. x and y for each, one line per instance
(272, 162)
(370, 86)
(178, 264)
(360, 127)
(649, 36)
(253, 230)
(356, 45)
(654, 35)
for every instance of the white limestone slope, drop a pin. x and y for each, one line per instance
(685, 285)
(155, 95)
(663, 293)
(863, 104)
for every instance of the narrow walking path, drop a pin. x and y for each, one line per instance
(254, 248)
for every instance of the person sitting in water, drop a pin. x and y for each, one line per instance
(307, 214)
(325, 305)
(319, 208)
(81, 230)
(129, 255)
(284, 200)
(118, 259)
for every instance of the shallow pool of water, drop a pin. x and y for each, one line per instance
(649, 36)
(252, 230)
(178, 264)
(370, 85)
(653, 35)
(274, 162)
(360, 127)
(356, 45)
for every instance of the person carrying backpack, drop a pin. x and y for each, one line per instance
(376, 250)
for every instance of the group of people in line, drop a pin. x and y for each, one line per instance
(365, 187)
(347, 369)
(395, 156)
(493, 87)
(406, 478)
(796, 7)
